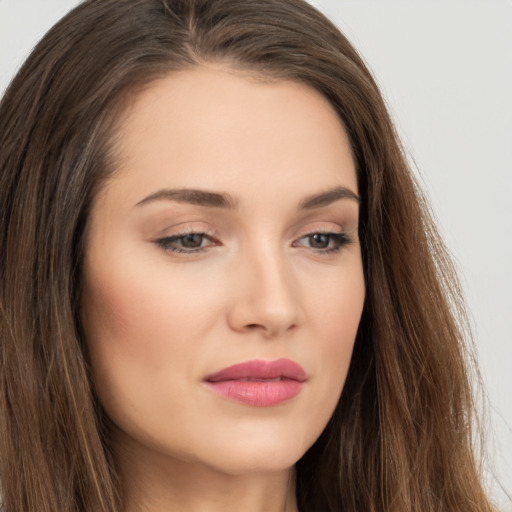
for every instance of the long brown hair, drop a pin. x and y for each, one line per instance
(401, 436)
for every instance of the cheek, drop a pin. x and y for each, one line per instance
(138, 327)
(335, 313)
(120, 318)
(137, 307)
(335, 299)
(149, 325)
(144, 333)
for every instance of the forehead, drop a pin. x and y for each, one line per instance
(218, 126)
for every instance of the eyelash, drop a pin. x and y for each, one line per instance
(166, 242)
(340, 239)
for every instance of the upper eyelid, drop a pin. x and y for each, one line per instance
(325, 230)
(177, 236)
(164, 241)
(208, 234)
(304, 223)
(310, 228)
(184, 231)
(340, 234)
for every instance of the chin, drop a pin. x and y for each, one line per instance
(257, 454)
(242, 464)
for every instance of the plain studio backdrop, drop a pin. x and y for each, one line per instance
(445, 68)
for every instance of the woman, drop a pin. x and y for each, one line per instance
(221, 288)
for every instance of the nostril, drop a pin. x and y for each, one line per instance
(268, 329)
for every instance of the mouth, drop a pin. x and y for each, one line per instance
(259, 383)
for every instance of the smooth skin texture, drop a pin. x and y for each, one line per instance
(178, 286)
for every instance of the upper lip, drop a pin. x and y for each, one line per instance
(259, 369)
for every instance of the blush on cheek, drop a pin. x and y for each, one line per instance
(138, 318)
(111, 313)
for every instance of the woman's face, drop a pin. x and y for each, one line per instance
(226, 239)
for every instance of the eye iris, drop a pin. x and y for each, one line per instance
(192, 241)
(319, 241)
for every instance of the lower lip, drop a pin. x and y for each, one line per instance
(257, 393)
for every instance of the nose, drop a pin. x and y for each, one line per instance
(266, 298)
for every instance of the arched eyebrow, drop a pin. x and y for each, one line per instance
(328, 197)
(223, 200)
(192, 196)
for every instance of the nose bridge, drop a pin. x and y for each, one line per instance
(267, 298)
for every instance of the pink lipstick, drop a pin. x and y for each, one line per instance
(259, 383)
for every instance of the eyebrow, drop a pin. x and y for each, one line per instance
(192, 196)
(328, 197)
(224, 200)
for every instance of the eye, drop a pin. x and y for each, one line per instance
(186, 243)
(323, 242)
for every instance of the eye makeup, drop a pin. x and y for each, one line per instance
(193, 242)
(325, 242)
(190, 242)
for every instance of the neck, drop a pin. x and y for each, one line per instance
(157, 483)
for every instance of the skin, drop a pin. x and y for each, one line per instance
(260, 286)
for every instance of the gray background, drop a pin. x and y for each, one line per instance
(445, 67)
